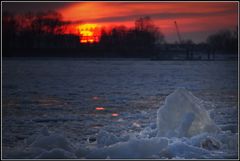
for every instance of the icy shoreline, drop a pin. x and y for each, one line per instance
(183, 129)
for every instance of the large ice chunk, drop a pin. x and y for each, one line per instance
(183, 115)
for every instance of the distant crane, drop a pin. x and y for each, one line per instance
(187, 47)
(178, 33)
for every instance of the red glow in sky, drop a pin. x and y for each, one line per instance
(196, 20)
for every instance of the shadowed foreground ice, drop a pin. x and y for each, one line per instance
(183, 129)
(67, 108)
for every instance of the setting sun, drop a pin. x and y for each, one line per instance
(89, 33)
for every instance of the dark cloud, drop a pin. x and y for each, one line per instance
(22, 7)
(161, 15)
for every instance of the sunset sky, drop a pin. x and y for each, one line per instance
(196, 20)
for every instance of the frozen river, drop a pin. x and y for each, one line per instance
(78, 98)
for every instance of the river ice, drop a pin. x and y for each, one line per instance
(184, 115)
(50, 109)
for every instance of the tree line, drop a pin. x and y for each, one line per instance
(138, 41)
(33, 30)
(44, 34)
(224, 41)
(45, 31)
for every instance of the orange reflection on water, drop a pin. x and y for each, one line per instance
(114, 114)
(100, 108)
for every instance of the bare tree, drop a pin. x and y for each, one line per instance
(224, 40)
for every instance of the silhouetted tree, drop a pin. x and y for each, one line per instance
(35, 30)
(48, 22)
(146, 24)
(147, 35)
(224, 41)
(27, 35)
(139, 41)
(10, 27)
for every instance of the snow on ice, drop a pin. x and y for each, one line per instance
(184, 130)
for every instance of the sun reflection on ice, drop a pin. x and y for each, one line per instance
(100, 108)
(115, 114)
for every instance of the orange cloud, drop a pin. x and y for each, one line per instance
(191, 16)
